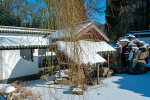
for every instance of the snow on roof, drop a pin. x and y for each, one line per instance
(86, 51)
(66, 32)
(11, 29)
(23, 41)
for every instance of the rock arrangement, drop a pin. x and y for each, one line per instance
(134, 54)
(105, 72)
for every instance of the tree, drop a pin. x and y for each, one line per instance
(125, 15)
(7, 16)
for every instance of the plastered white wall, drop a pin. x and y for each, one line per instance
(15, 66)
(1, 68)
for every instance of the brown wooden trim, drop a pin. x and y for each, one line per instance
(88, 28)
(102, 33)
(97, 73)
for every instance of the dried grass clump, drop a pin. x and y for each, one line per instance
(77, 92)
(22, 93)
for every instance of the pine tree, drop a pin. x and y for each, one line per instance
(7, 16)
(125, 15)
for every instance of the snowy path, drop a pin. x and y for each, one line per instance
(118, 87)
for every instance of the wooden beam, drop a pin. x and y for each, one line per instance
(97, 73)
(108, 61)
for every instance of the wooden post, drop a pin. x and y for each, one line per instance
(97, 73)
(59, 72)
(58, 63)
(78, 76)
(108, 61)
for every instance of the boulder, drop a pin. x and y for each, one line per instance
(140, 68)
(131, 37)
(143, 49)
(77, 91)
(139, 44)
(104, 70)
(132, 55)
(123, 42)
(144, 55)
(110, 73)
(117, 67)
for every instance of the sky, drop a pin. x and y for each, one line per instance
(97, 17)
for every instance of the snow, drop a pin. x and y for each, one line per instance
(142, 42)
(64, 73)
(77, 90)
(135, 48)
(131, 36)
(136, 40)
(124, 40)
(24, 30)
(67, 32)
(23, 41)
(51, 53)
(143, 46)
(131, 55)
(9, 89)
(117, 87)
(86, 51)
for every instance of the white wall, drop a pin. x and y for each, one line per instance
(15, 66)
(1, 67)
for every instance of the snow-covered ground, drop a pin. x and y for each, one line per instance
(117, 87)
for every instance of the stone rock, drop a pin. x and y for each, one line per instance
(110, 73)
(123, 42)
(144, 55)
(140, 68)
(104, 70)
(117, 67)
(139, 44)
(77, 91)
(50, 83)
(131, 37)
(133, 63)
(132, 55)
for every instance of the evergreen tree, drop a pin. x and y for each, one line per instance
(7, 16)
(125, 15)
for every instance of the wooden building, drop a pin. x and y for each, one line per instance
(21, 51)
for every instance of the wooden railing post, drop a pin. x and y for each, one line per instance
(97, 73)
(108, 61)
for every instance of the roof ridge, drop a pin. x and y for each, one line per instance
(25, 28)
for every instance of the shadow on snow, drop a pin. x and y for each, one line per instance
(136, 83)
